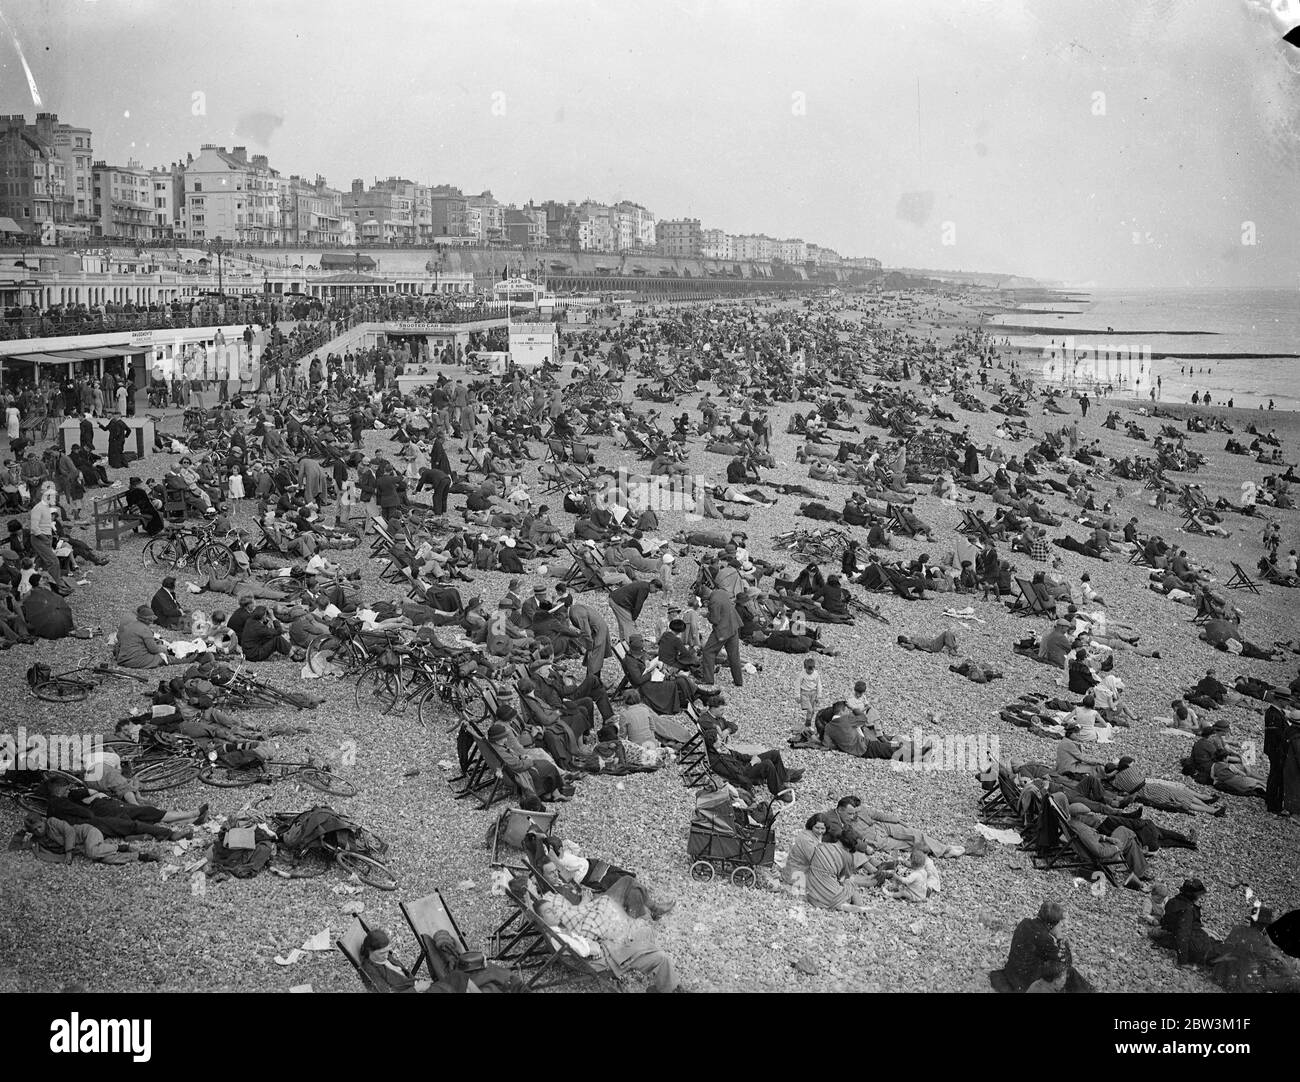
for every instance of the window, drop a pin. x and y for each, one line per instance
(196, 202)
(197, 219)
(198, 185)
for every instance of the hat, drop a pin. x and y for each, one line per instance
(541, 589)
(636, 642)
(507, 603)
(1192, 887)
(497, 731)
(144, 613)
(376, 939)
(169, 580)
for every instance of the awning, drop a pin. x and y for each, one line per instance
(104, 352)
(79, 354)
(43, 358)
(8, 225)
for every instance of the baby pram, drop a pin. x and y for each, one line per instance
(724, 838)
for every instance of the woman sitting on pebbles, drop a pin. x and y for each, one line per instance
(831, 882)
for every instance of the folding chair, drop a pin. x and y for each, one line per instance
(898, 524)
(1240, 580)
(1001, 804)
(556, 450)
(534, 947)
(350, 944)
(382, 537)
(1030, 602)
(1070, 853)
(693, 760)
(514, 826)
(585, 572)
(426, 917)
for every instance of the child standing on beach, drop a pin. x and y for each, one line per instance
(235, 489)
(810, 690)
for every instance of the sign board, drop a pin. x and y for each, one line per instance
(532, 349)
(142, 338)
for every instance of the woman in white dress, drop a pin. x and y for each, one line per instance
(12, 422)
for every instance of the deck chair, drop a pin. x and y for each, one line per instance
(349, 943)
(1001, 804)
(547, 961)
(1240, 580)
(1030, 602)
(585, 572)
(267, 542)
(475, 777)
(426, 917)
(693, 761)
(502, 780)
(898, 524)
(399, 564)
(383, 538)
(556, 450)
(513, 826)
(1070, 853)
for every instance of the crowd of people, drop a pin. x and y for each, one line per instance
(586, 678)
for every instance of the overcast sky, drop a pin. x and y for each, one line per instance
(1040, 138)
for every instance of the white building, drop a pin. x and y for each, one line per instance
(790, 251)
(231, 196)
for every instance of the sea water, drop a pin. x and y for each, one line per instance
(1265, 322)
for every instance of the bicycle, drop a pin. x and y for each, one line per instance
(857, 605)
(159, 761)
(68, 687)
(352, 654)
(319, 777)
(242, 691)
(360, 854)
(23, 789)
(415, 677)
(185, 546)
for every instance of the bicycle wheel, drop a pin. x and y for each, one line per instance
(163, 552)
(471, 703)
(124, 749)
(62, 689)
(428, 705)
(30, 802)
(325, 781)
(369, 870)
(306, 866)
(215, 560)
(378, 687)
(226, 777)
(170, 773)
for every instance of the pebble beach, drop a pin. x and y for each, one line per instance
(134, 928)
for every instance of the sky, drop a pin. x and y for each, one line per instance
(1107, 142)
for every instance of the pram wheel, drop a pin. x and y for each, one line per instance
(744, 877)
(702, 871)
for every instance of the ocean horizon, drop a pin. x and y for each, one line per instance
(1255, 328)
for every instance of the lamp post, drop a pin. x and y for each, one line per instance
(219, 247)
